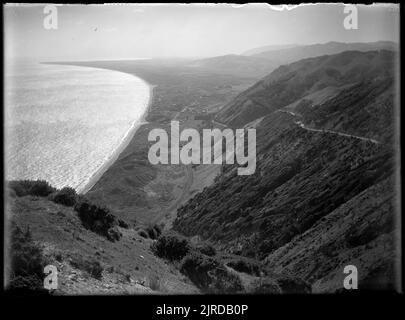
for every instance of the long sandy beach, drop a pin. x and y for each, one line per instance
(127, 139)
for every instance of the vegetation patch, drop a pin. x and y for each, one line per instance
(39, 188)
(27, 264)
(209, 274)
(246, 266)
(207, 249)
(97, 219)
(154, 231)
(66, 196)
(89, 265)
(264, 286)
(123, 224)
(293, 285)
(171, 246)
(143, 234)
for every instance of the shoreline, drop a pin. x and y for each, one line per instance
(124, 143)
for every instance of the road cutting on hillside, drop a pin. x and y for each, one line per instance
(302, 125)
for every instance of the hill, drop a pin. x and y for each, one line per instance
(305, 79)
(323, 195)
(288, 55)
(268, 48)
(87, 262)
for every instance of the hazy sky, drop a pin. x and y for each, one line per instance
(136, 31)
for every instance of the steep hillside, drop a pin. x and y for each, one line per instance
(364, 109)
(323, 194)
(359, 233)
(301, 176)
(303, 179)
(287, 84)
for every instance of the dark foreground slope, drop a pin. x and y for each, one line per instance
(87, 262)
(324, 192)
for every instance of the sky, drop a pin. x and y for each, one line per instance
(97, 32)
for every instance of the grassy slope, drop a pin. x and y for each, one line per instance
(360, 233)
(129, 265)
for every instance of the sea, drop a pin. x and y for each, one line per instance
(63, 123)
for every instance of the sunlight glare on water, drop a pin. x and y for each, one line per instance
(63, 122)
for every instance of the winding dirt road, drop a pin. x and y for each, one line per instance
(303, 126)
(300, 124)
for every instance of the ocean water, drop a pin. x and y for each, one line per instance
(62, 123)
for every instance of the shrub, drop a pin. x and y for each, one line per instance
(265, 248)
(197, 267)
(66, 196)
(209, 274)
(151, 233)
(207, 249)
(123, 224)
(39, 188)
(293, 285)
(223, 281)
(97, 219)
(27, 264)
(171, 246)
(264, 286)
(143, 234)
(89, 265)
(154, 231)
(113, 234)
(246, 266)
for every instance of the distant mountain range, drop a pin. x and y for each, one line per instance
(268, 48)
(261, 61)
(289, 53)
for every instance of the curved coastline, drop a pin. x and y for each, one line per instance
(124, 143)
